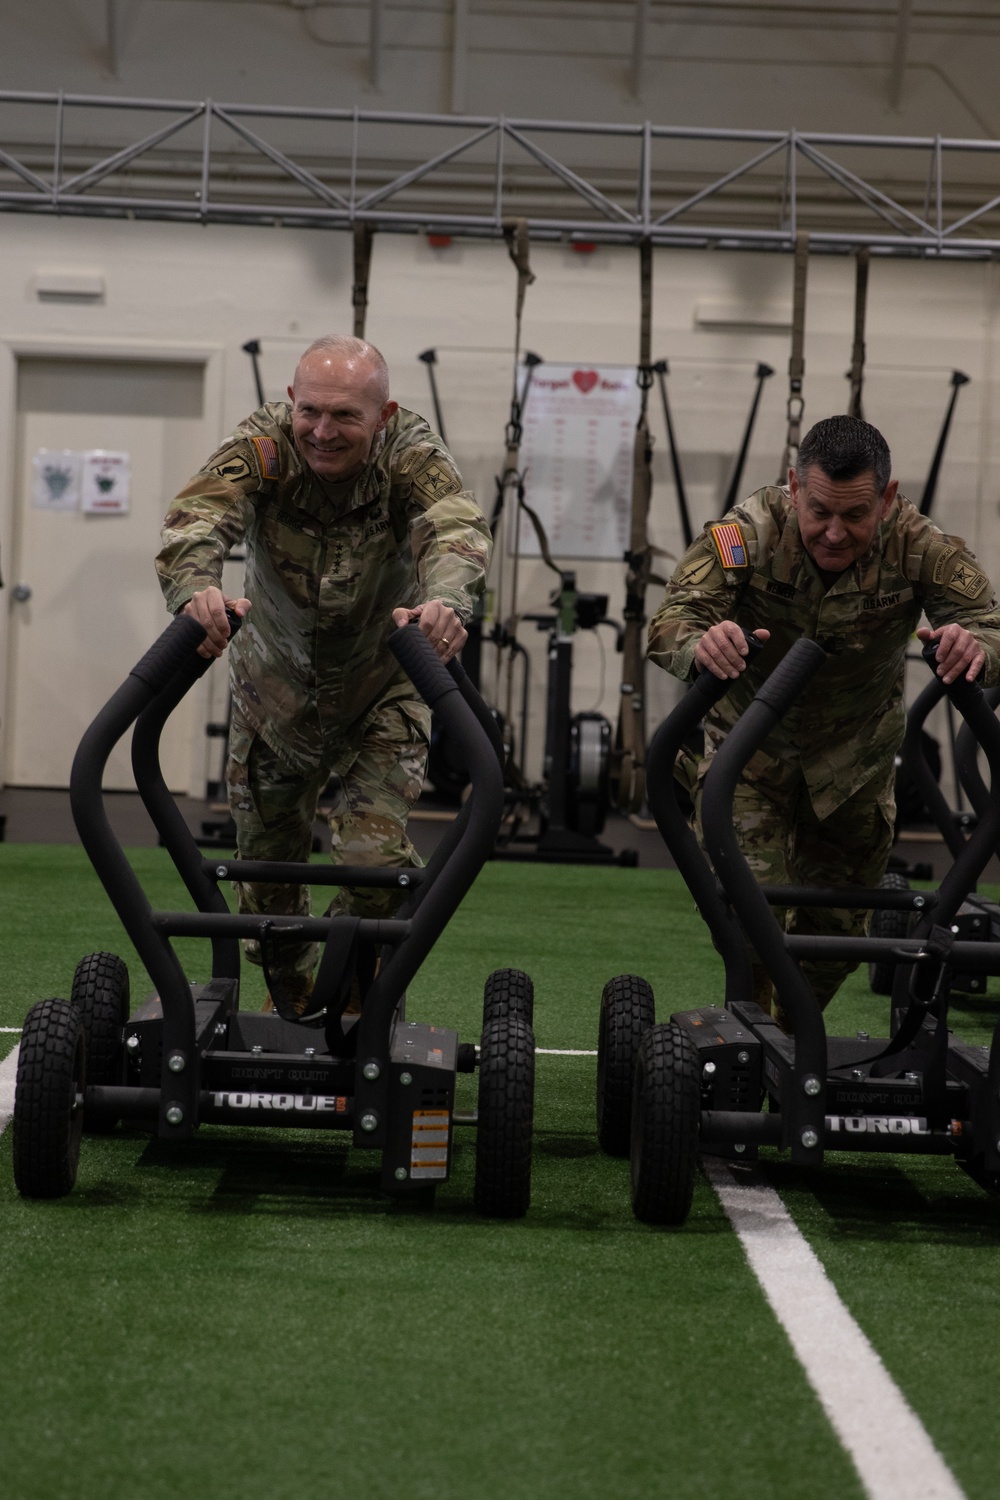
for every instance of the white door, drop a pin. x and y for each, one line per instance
(90, 602)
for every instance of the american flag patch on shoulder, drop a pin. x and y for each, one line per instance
(267, 456)
(729, 544)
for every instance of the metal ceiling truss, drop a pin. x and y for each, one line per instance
(330, 168)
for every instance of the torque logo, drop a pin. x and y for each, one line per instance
(304, 1104)
(877, 1124)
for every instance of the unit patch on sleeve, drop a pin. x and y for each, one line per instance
(696, 571)
(436, 479)
(968, 582)
(231, 465)
(267, 456)
(729, 544)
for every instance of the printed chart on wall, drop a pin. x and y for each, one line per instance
(576, 454)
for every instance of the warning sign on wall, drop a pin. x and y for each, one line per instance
(106, 482)
(579, 430)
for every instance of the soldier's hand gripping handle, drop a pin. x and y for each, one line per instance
(724, 648)
(214, 611)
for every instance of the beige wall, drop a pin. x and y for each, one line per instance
(186, 286)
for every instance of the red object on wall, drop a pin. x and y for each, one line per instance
(439, 241)
(583, 247)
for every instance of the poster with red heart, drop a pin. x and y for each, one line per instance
(579, 426)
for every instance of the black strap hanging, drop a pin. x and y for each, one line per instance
(856, 374)
(796, 362)
(364, 234)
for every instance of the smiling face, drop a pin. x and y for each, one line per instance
(838, 518)
(337, 410)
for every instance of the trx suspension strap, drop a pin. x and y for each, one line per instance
(661, 369)
(856, 374)
(796, 363)
(363, 236)
(930, 488)
(252, 347)
(630, 741)
(515, 232)
(764, 372)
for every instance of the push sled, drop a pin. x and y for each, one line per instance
(189, 1056)
(725, 1080)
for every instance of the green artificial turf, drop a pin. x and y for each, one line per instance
(246, 1316)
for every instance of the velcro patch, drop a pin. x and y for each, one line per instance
(267, 456)
(436, 479)
(729, 544)
(773, 586)
(696, 571)
(944, 557)
(967, 581)
(231, 464)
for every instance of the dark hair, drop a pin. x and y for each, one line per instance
(843, 448)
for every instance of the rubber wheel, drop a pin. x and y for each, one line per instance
(101, 994)
(888, 924)
(506, 1113)
(48, 1120)
(666, 1113)
(508, 992)
(627, 1013)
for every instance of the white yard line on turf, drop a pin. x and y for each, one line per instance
(565, 1052)
(11, 1030)
(8, 1073)
(889, 1447)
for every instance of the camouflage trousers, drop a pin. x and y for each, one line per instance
(785, 843)
(274, 808)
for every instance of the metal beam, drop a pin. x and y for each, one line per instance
(899, 52)
(459, 55)
(639, 34)
(270, 164)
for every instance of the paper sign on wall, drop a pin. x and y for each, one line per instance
(56, 479)
(579, 433)
(106, 483)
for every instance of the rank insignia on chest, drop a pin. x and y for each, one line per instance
(267, 456)
(727, 539)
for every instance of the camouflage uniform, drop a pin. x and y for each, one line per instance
(315, 691)
(815, 804)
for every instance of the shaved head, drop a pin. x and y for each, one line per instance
(340, 404)
(342, 349)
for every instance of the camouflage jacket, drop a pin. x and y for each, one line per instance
(326, 565)
(847, 727)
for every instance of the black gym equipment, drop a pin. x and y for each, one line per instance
(977, 918)
(573, 801)
(732, 495)
(429, 358)
(699, 1081)
(661, 370)
(252, 347)
(934, 472)
(189, 1055)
